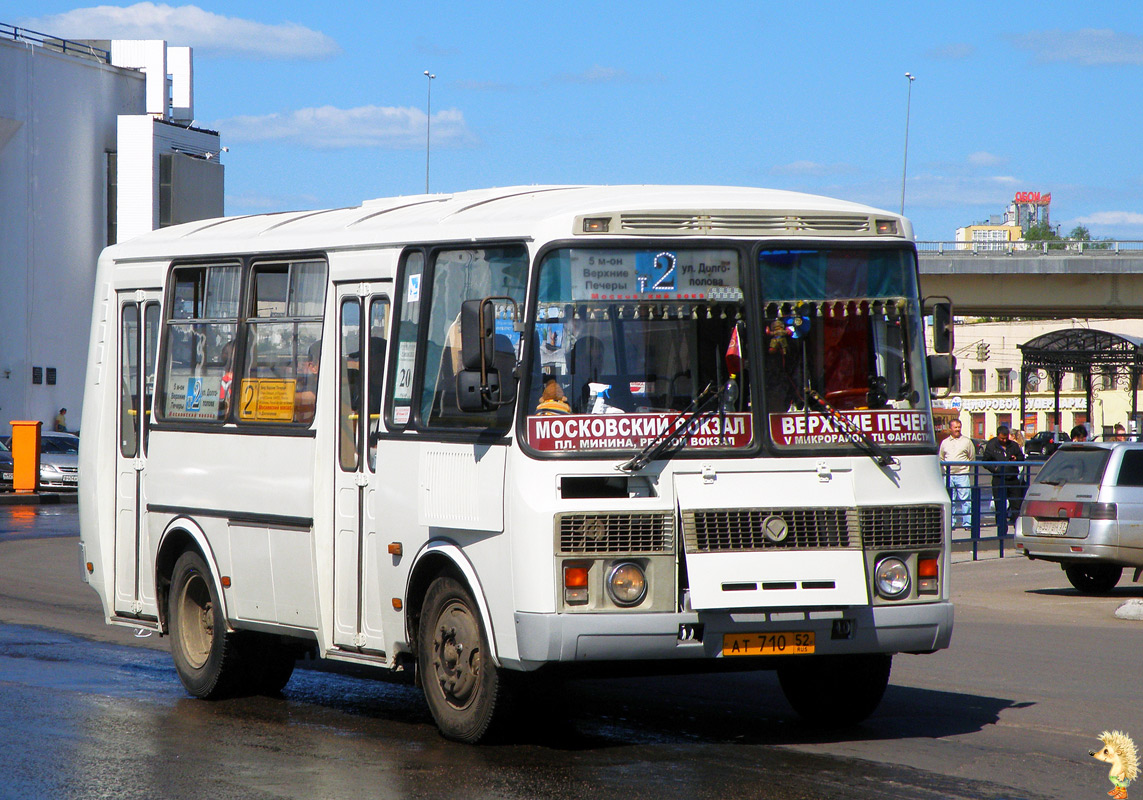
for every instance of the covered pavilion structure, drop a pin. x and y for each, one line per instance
(1081, 351)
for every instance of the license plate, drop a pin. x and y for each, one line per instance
(6, 476)
(1050, 527)
(782, 643)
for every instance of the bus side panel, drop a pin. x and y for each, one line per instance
(254, 497)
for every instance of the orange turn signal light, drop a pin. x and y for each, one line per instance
(394, 548)
(575, 577)
(927, 568)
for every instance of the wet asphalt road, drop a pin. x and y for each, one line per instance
(89, 711)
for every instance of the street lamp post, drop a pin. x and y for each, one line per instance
(905, 165)
(428, 126)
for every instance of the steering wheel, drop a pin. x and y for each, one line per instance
(847, 398)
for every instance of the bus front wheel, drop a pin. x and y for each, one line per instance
(207, 657)
(836, 691)
(463, 688)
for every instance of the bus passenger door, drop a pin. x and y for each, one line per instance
(138, 321)
(363, 317)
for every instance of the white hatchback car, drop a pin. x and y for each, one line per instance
(1085, 511)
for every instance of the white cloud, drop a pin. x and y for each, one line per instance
(190, 25)
(330, 128)
(1090, 46)
(596, 74)
(983, 159)
(812, 168)
(957, 51)
(1123, 218)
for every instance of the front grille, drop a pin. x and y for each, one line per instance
(872, 527)
(68, 469)
(887, 527)
(615, 532)
(721, 530)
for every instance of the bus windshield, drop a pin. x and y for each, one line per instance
(627, 338)
(844, 348)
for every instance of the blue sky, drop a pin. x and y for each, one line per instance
(324, 105)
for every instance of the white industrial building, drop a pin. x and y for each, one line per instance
(97, 145)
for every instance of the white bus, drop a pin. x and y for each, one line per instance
(525, 430)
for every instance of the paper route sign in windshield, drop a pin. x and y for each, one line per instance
(883, 427)
(654, 274)
(633, 431)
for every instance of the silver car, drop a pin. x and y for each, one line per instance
(1085, 512)
(59, 460)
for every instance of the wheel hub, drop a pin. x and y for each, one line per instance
(456, 654)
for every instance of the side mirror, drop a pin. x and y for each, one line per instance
(941, 368)
(486, 379)
(474, 395)
(942, 325)
(477, 329)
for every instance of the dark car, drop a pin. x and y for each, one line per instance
(1043, 444)
(5, 466)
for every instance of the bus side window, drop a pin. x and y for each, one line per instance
(283, 342)
(201, 326)
(408, 328)
(460, 275)
(378, 329)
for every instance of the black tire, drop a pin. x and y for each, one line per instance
(209, 659)
(835, 691)
(271, 663)
(1093, 578)
(465, 691)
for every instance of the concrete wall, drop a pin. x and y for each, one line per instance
(59, 115)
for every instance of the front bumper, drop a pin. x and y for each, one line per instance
(580, 638)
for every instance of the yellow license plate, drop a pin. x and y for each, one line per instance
(781, 643)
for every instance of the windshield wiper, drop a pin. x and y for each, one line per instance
(674, 432)
(852, 432)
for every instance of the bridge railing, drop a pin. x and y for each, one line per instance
(1094, 248)
(974, 513)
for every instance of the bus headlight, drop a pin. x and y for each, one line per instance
(626, 584)
(891, 577)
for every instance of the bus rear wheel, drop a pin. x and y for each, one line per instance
(465, 691)
(207, 657)
(836, 691)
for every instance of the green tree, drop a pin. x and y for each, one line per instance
(1041, 232)
(1080, 233)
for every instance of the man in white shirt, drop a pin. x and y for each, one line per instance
(958, 448)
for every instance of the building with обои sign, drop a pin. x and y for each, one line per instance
(97, 145)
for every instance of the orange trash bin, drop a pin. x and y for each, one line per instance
(26, 456)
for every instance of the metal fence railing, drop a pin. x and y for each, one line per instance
(974, 506)
(50, 42)
(1063, 247)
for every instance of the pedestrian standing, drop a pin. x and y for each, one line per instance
(958, 448)
(1002, 456)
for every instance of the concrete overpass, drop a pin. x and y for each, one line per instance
(1095, 279)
